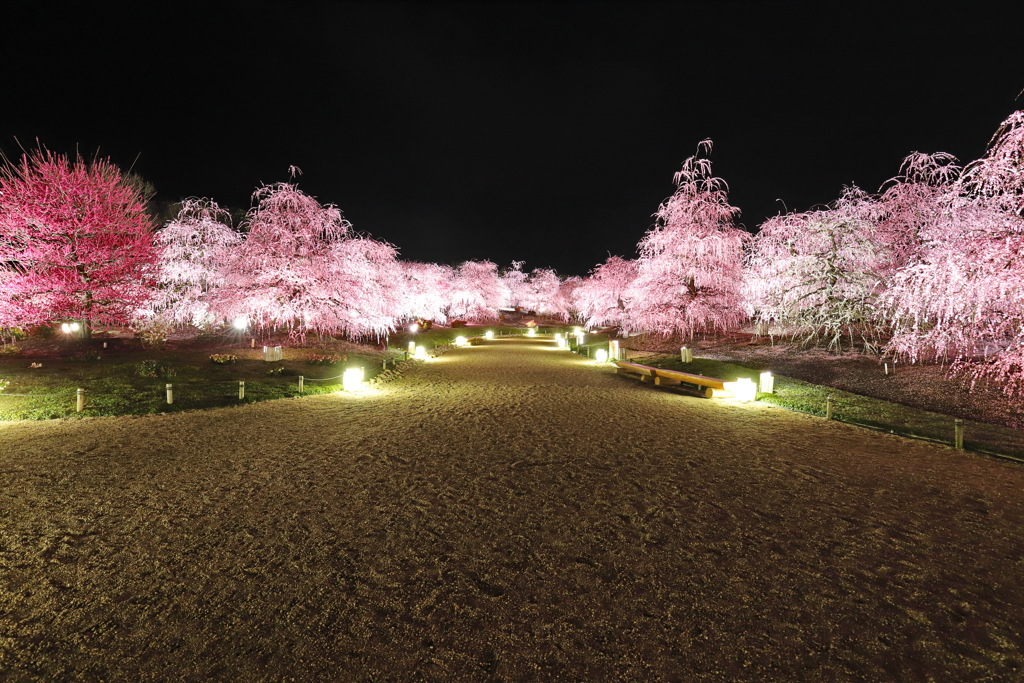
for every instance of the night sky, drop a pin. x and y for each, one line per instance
(542, 132)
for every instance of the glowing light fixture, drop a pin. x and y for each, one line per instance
(461, 341)
(577, 331)
(744, 389)
(65, 328)
(613, 350)
(414, 328)
(767, 383)
(601, 356)
(412, 348)
(532, 332)
(421, 353)
(352, 379)
(489, 334)
(240, 323)
(75, 327)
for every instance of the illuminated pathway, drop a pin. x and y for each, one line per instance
(507, 512)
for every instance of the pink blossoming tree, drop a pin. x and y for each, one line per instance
(280, 275)
(690, 270)
(542, 293)
(963, 298)
(516, 284)
(598, 299)
(75, 242)
(194, 250)
(477, 291)
(817, 276)
(425, 291)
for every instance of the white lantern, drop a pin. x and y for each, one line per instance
(421, 353)
(601, 356)
(352, 379)
(767, 383)
(489, 334)
(461, 341)
(746, 390)
(532, 332)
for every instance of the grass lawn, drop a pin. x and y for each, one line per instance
(126, 379)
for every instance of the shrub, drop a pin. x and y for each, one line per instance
(3, 384)
(153, 368)
(224, 358)
(86, 356)
(331, 359)
(153, 333)
(10, 350)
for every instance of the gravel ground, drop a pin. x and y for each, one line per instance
(504, 512)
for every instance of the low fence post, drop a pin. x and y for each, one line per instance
(241, 389)
(828, 408)
(958, 434)
(80, 402)
(170, 394)
(301, 378)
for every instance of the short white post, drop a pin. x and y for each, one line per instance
(886, 369)
(828, 408)
(685, 355)
(104, 344)
(170, 394)
(301, 378)
(958, 434)
(241, 389)
(80, 403)
(252, 343)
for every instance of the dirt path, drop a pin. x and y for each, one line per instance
(506, 512)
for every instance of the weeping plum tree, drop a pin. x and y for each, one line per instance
(290, 270)
(599, 297)
(75, 242)
(566, 301)
(194, 249)
(477, 291)
(425, 291)
(542, 292)
(963, 298)
(360, 293)
(817, 276)
(515, 283)
(690, 271)
(915, 199)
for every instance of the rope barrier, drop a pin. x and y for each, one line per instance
(31, 395)
(325, 379)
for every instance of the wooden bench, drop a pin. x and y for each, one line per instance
(662, 377)
(708, 384)
(644, 372)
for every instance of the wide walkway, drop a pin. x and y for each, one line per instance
(505, 512)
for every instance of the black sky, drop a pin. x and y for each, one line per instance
(543, 132)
